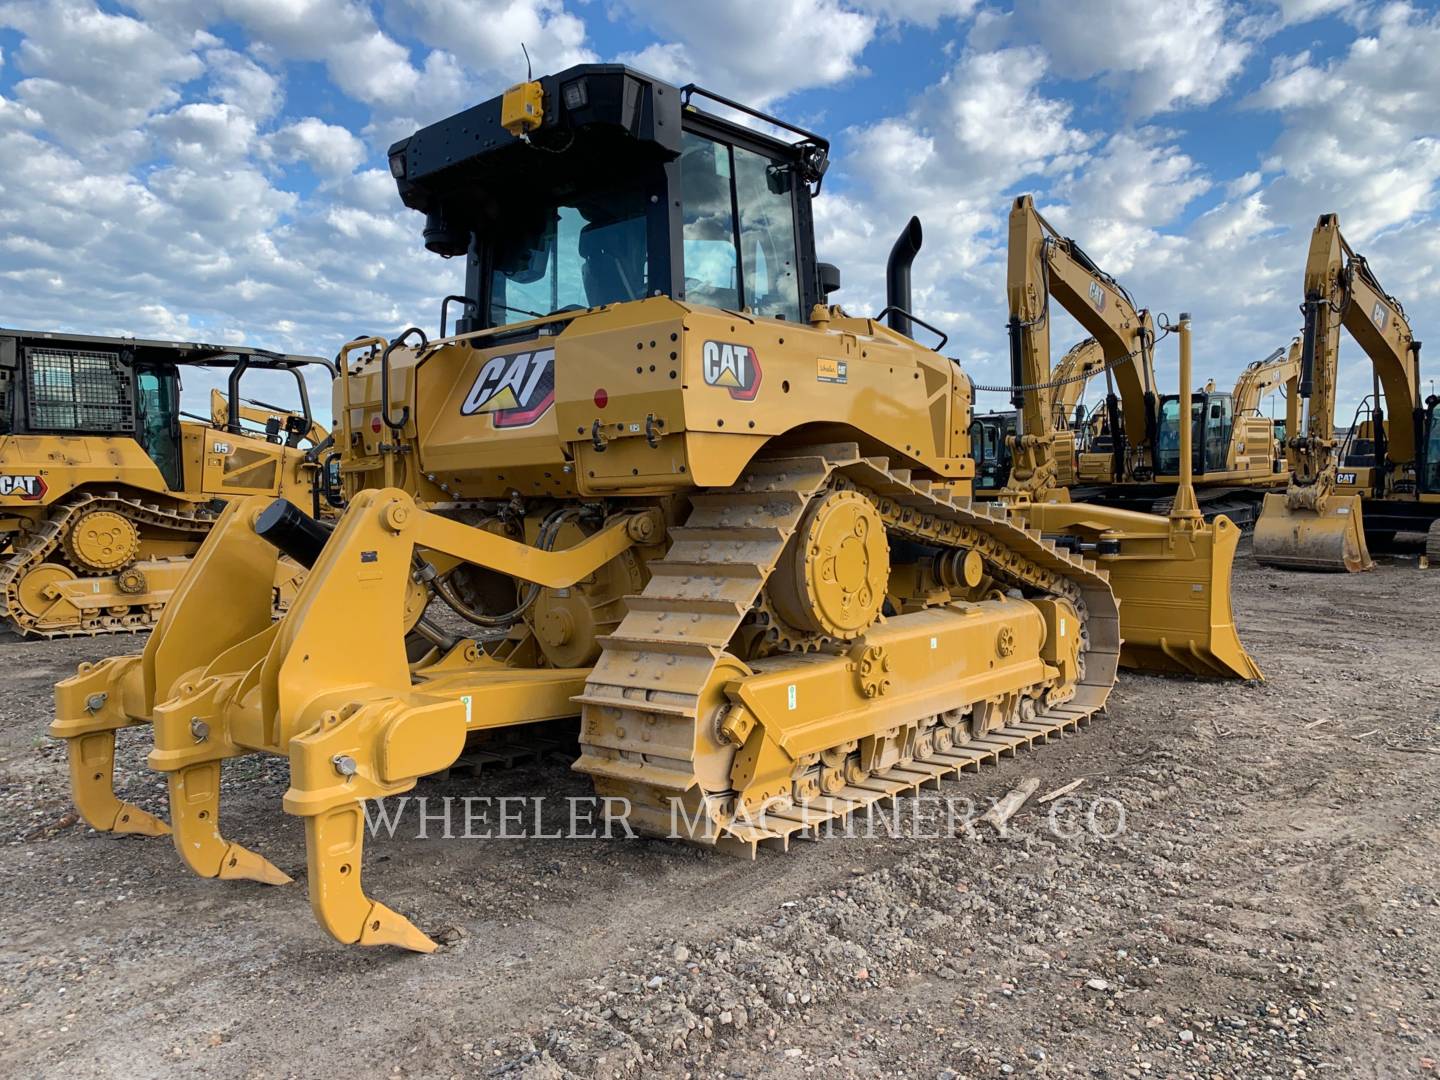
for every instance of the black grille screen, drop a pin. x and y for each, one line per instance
(78, 390)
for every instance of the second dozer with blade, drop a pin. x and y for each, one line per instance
(681, 493)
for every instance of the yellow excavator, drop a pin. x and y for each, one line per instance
(1126, 455)
(107, 490)
(1238, 451)
(1322, 520)
(674, 489)
(1237, 455)
(990, 432)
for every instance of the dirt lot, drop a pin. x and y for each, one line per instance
(1272, 907)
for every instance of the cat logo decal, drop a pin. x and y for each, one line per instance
(24, 488)
(734, 367)
(515, 390)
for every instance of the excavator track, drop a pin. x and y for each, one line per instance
(655, 669)
(47, 540)
(1432, 543)
(1241, 506)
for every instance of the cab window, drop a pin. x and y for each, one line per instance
(711, 276)
(738, 229)
(571, 254)
(767, 235)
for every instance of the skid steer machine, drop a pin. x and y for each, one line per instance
(675, 491)
(1322, 520)
(107, 489)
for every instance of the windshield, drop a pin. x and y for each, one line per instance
(581, 252)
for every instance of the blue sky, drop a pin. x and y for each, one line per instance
(214, 169)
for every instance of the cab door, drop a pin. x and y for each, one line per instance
(158, 421)
(1218, 423)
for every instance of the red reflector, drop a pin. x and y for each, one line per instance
(375, 424)
(601, 399)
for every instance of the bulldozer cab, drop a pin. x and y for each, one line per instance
(642, 194)
(73, 388)
(78, 386)
(1212, 419)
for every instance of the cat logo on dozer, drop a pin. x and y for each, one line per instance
(515, 390)
(735, 367)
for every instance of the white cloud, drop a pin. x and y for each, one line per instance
(1300, 11)
(1360, 134)
(1164, 54)
(486, 35)
(94, 77)
(239, 81)
(329, 150)
(921, 12)
(203, 133)
(754, 50)
(362, 60)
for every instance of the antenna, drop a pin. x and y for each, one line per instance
(529, 76)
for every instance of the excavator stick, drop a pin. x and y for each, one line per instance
(1172, 581)
(1331, 540)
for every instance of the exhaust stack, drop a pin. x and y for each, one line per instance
(897, 276)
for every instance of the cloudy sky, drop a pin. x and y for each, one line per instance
(214, 169)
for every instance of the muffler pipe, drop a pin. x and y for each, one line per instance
(897, 277)
(293, 531)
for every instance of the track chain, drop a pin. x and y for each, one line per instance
(39, 544)
(655, 667)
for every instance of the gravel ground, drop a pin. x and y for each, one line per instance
(1270, 908)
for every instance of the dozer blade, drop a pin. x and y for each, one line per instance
(1173, 583)
(1175, 611)
(1298, 539)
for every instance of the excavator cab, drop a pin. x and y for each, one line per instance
(990, 447)
(1212, 420)
(1430, 462)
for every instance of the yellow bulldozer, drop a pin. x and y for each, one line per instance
(673, 489)
(107, 489)
(1125, 453)
(1334, 501)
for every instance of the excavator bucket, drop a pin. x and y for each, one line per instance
(1173, 584)
(1302, 539)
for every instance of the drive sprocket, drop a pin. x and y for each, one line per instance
(102, 542)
